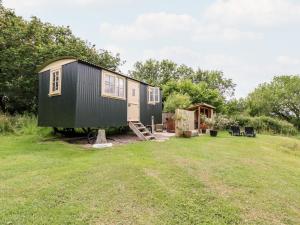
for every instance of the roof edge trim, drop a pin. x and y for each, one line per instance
(42, 67)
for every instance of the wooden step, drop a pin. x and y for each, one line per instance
(140, 130)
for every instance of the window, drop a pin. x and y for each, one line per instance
(113, 85)
(55, 82)
(133, 92)
(156, 94)
(153, 95)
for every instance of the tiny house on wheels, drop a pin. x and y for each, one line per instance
(77, 94)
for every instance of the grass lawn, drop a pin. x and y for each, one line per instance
(224, 180)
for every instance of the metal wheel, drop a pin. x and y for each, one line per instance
(68, 132)
(91, 137)
(55, 130)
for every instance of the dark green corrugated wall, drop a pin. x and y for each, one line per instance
(58, 111)
(149, 110)
(93, 110)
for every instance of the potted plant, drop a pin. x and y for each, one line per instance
(203, 128)
(203, 124)
(211, 123)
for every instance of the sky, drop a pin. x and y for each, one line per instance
(251, 41)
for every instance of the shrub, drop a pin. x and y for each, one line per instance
(20, 124)
(222, 122)
(6, 124)
(176, 101)
(267, 124)
(219, 122)
(210, 122)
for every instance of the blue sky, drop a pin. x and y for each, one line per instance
(249, 40)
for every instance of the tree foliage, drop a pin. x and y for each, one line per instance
(279, 98)
(25, 45)
(160, 72)
(266, 124)
(198, 92)
(235, 106)
(177, 101)
(215, 80)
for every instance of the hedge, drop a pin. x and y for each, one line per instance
(267, 124)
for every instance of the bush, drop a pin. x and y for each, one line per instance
(176, 101)
(267, 124)
(219, 122)
(223, 122)
(19, 124)
(6, 124)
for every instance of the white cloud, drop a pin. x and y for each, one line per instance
(103, 2)
(150, 25)
(217, 32)
(23, 4)
(178, 54)
(288, 61)
(31, 5)
(170, 25)
(187, 56)
(114, 49)
(251, 12)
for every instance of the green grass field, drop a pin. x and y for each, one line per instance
(224, 180)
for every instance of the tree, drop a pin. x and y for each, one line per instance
(279, 98)
(215, 80)
(147, 72)
(159, 73)
(176, 101)
(235, 106)
(197, 92)
(25, 45)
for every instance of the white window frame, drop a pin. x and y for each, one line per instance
(153, 95)
(115, 87)
(57, 91)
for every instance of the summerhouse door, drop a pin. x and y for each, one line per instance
(133, 103)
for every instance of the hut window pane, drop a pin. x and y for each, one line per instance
(106, 84)
(55, 82)
(114, 85)
(156, 94)
(153, 95)
(109, 84)
(121, 87)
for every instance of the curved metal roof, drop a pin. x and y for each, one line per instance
(47, 63)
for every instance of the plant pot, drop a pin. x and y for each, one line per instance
(213, 133)
(190, 133)
(203, 131)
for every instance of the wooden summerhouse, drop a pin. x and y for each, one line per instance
(200, 110)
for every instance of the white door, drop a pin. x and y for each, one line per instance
(133, 101)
